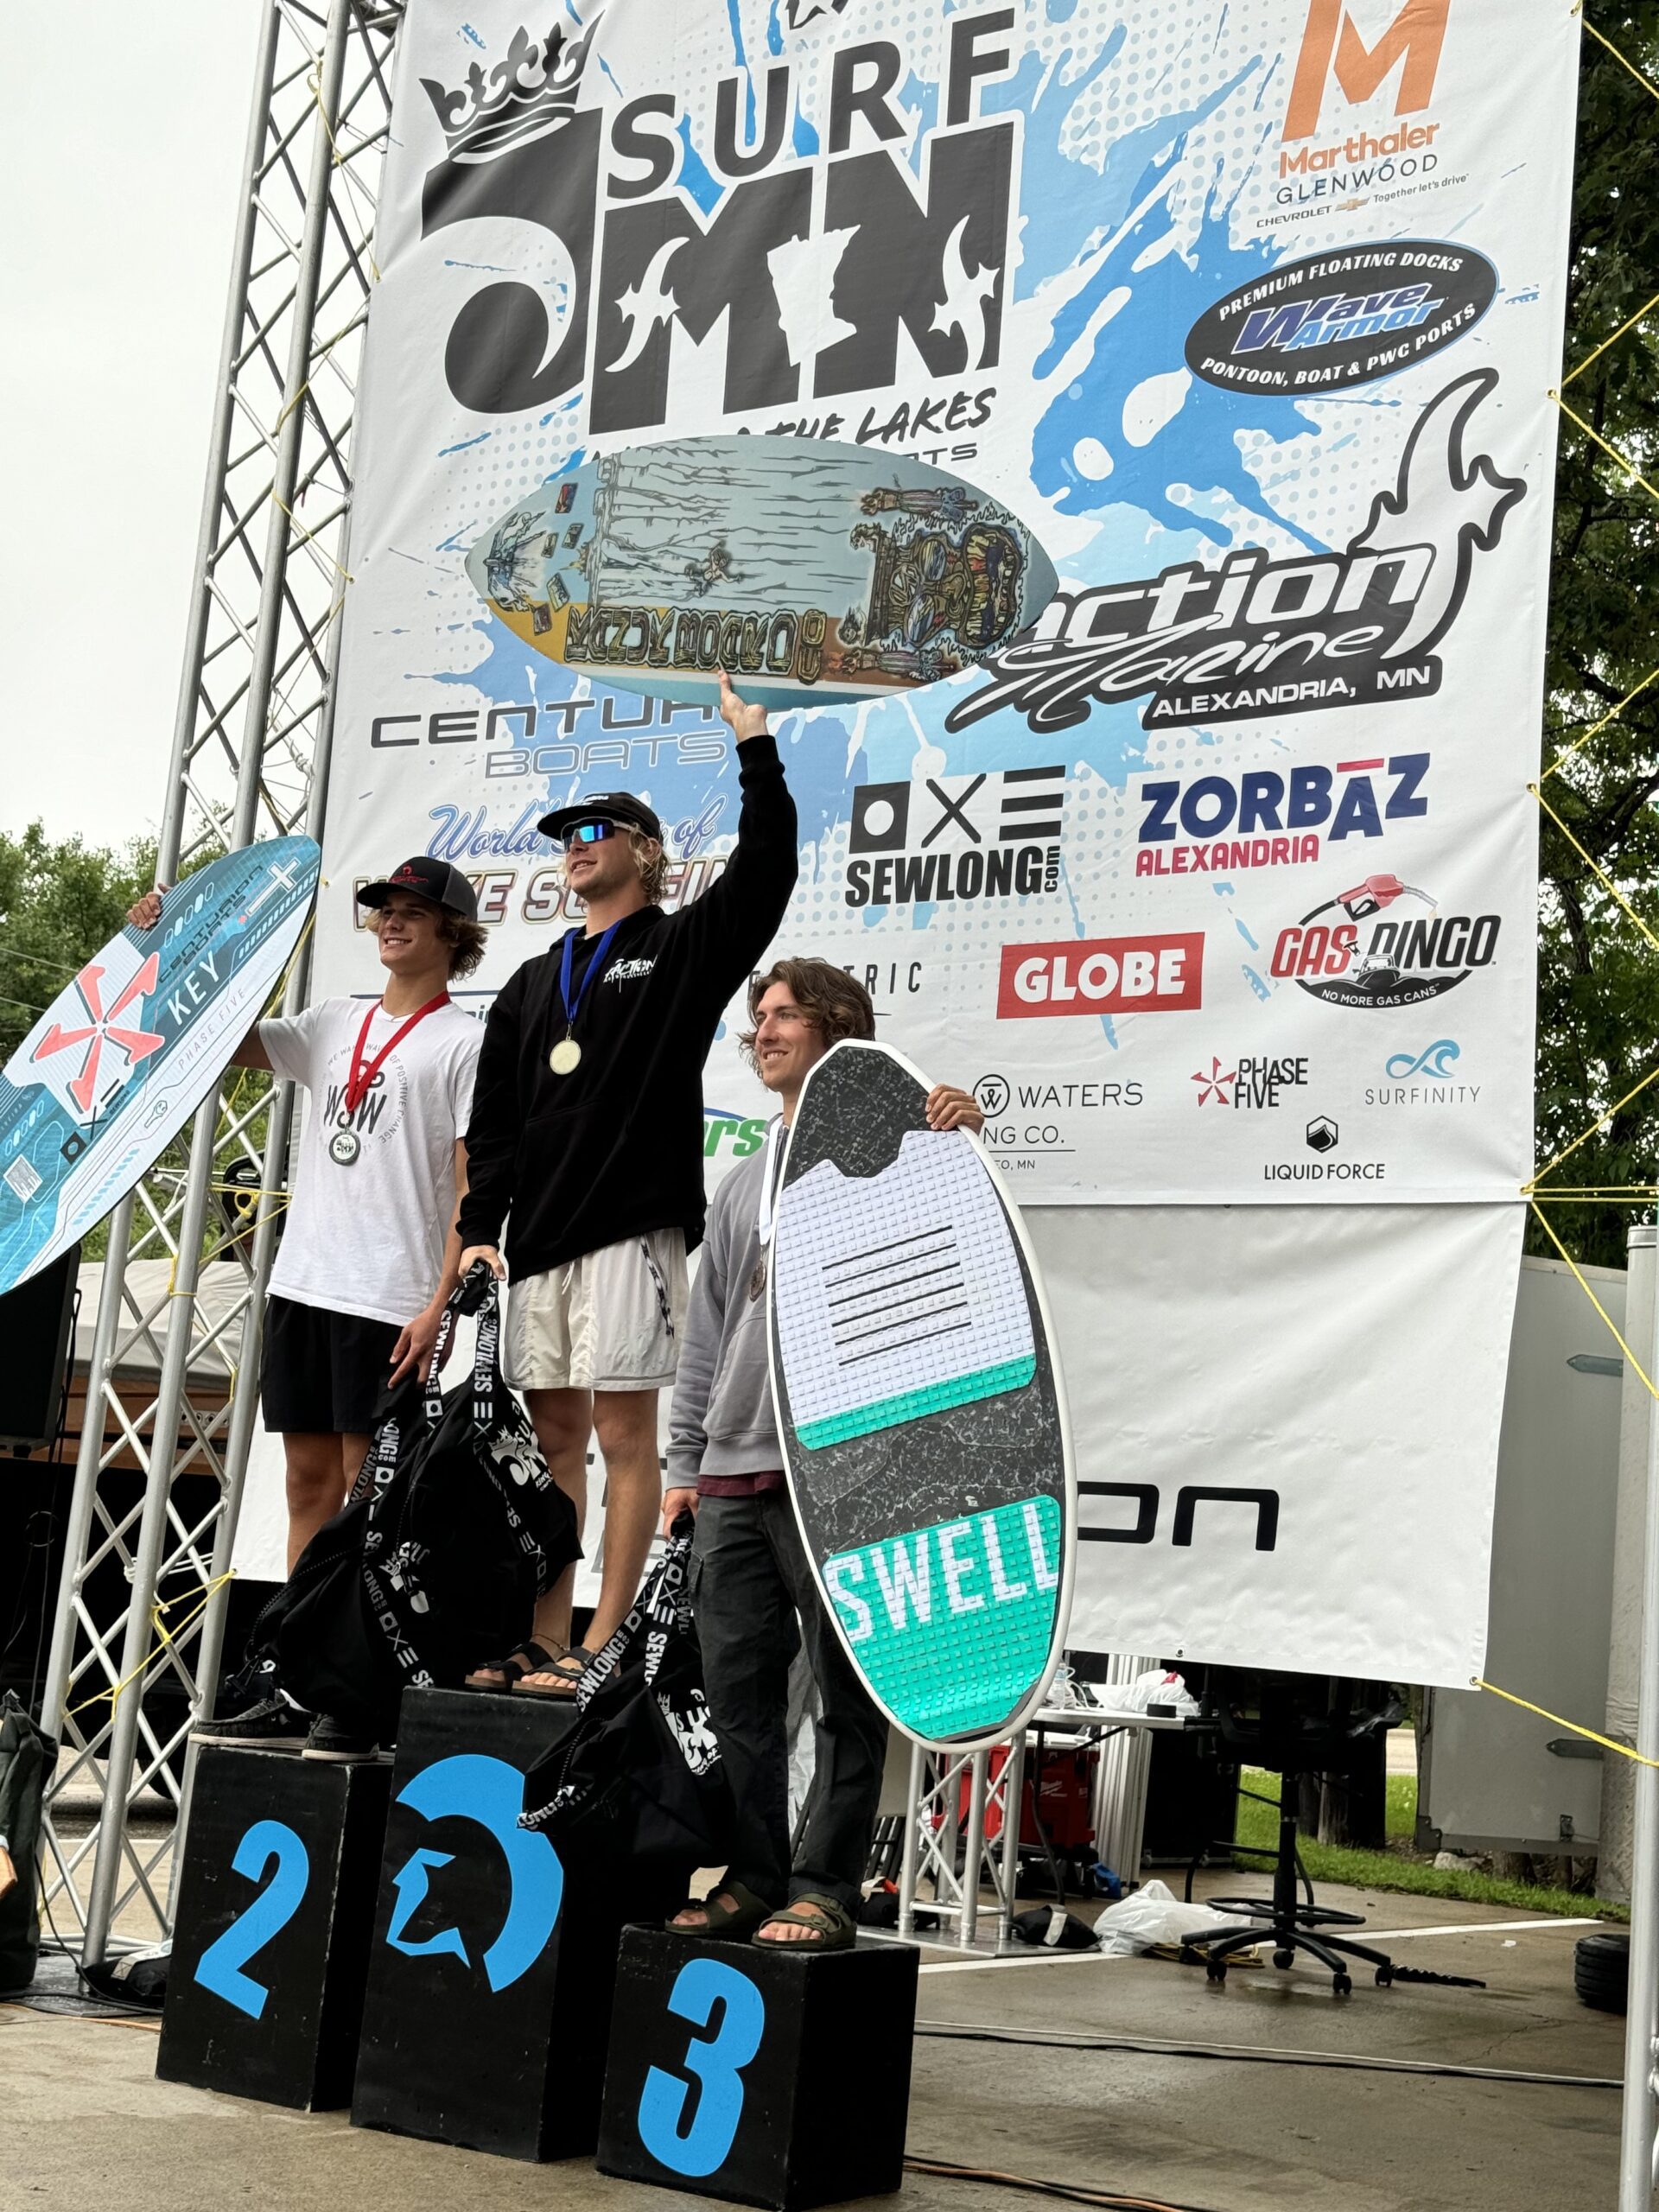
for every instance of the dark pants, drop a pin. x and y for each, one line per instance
(757, 1601)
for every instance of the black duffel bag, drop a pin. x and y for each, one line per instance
(453, 1530)
(639, 1775)
(27, 1756)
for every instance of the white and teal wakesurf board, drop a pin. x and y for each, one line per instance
(919, 1403)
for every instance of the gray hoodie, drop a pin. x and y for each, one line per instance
(721, 1420)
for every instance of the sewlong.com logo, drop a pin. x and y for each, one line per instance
(1263, 637)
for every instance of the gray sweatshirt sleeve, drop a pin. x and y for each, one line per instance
(700, 1350)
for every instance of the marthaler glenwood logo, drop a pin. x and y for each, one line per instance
(1259, 636)
(1399, 962)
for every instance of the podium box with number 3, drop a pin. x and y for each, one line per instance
(768, 2075)
(271, 1951)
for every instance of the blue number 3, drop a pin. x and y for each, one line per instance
(714, 2062)
(219, 1968)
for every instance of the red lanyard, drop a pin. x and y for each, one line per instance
(357, 1082)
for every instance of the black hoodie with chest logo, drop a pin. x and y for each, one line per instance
(613, 1149)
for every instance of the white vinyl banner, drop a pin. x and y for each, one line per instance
(1217, 886)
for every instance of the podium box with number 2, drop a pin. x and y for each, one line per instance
(766, 2076)
(270, 1950)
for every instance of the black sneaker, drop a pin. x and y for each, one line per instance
(275, 1726)
(328, 1740)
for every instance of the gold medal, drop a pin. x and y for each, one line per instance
(565, 1057)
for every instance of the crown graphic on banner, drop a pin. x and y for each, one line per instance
(534, 90)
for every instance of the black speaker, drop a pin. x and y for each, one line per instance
(34, 1321)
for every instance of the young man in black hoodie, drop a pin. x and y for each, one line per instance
(587, 1138)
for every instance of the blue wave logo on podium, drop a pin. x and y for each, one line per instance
(489, 1793)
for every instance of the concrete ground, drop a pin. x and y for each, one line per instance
(84, 2122)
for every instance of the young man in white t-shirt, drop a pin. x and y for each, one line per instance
(369, 1253)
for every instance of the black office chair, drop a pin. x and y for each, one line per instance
(1299, 1727)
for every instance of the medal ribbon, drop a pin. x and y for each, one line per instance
(362, 1076)
(596, 967)
(769, 1174)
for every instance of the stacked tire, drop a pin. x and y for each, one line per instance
(1601, 1971)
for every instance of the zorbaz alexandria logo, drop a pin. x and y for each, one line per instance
(1263, 637)
(1302, 802)
(994, 836)
(1398, 962)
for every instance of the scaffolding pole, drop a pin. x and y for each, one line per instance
(249, 756)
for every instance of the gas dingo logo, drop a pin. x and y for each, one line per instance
(1333, 45)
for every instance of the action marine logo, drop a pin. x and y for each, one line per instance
(1259, 636)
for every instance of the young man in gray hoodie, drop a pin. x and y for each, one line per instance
(753, 1588)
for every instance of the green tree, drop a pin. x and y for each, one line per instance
(59, 902)
(1598, 979)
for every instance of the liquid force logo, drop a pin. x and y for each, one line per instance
(1333, 45)
(994, 836)
(1116, 974)
(1401, 961)
(1263, 637)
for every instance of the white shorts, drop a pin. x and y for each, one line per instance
(611, 1321)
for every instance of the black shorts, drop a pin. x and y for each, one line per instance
(323, 1372)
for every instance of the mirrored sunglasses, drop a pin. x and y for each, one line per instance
(589, 833)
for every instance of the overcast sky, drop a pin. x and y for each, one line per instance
(118, 167)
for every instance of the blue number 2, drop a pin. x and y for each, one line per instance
(219, 1968)
(701, 1985)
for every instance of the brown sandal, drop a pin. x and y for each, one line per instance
(741, 1917)
(840, 1934)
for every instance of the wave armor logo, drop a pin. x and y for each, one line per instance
(1333, 45)
(810, 280)
(1398, 962)
(1257, 636)
(956, 838)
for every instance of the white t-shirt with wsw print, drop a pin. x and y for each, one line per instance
(368, 1239)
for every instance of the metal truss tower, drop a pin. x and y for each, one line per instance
(250, 755)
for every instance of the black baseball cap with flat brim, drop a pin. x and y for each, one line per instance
(427, 878)
(610, 806)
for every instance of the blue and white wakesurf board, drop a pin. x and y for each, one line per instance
(919, 1404)
(126, 1052)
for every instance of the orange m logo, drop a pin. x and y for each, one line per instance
(1331, 42)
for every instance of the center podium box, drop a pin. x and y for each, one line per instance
(492, 1962)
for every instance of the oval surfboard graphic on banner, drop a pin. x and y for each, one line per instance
(919, 1404)
(126, 1052)
(812, 572)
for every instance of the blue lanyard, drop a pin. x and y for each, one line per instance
(595, 967)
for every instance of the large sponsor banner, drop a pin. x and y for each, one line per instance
(1219, 884)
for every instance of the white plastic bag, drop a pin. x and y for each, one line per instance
(1153, 1915)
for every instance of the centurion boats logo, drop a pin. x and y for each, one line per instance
(1257, 636)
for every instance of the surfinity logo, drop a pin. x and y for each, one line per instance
(1258, 635)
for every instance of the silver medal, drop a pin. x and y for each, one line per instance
(565, 1057)
(344, 1147)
